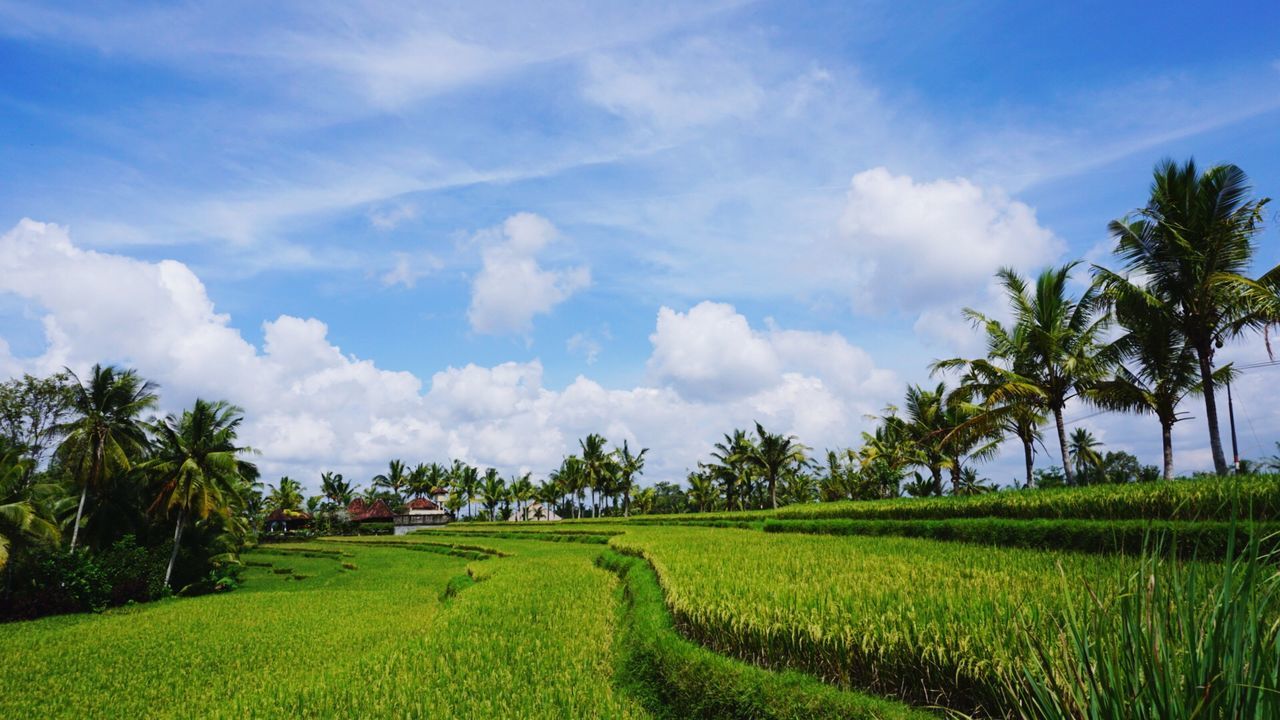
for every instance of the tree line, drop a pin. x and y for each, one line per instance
(88, 474)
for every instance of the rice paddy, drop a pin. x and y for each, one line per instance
(602, 619)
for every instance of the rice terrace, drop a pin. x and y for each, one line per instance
(748, 360)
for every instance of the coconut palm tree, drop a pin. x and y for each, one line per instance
(197, 466)
(1061, 339)
(773, 456)
(286, 495)
(924, 426)
(335, 489)
(1192, 245)
(629, 467)
(595, 466)
(466, 483)
(702, 490)
(107, 433)
(968, 436)
(21, 518)
(548, 493)
(521, 491)
(493, 490)
(1165, 367)
(1084, 453)
(733, 467)
(570, 478)
(395, 480)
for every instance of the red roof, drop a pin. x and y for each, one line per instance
(422, 504)
(377, 511)
(357, 507)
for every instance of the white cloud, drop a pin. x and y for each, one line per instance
(918, 245)
(511, 287)
(695, 84)
(586, 345)
(311, 407)
(390, 218)
(410, 268)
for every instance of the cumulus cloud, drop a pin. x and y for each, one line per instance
(512, 287)
(920, 245)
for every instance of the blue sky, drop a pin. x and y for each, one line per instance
(482, 230)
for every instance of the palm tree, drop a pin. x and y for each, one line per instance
(287, 495)
(1084, 453)
(645, 500)
(548, 493)
(20, 517)
(629, 466)
(968, 436)
(733, 466)
(702, 490)
(1192, 244)
(1166, 368)
(197, 465)
(595, 466)
(570, 477)
(466, 483)
(1061, 339)
(492, 491)
(1011, 402)
(335, 489)
(395, 480)
(107, 434)
(774, 455)
(924, 427)
(417, 483)
(521, 491)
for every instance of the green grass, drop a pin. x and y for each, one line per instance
(534, 638)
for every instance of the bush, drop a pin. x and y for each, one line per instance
(51, 581)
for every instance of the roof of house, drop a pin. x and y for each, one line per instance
(422, 504)
(357, 506)
(437, 490)
(377, 511)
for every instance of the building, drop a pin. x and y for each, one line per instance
(420, 513)
(534, 512)
(363, 512)
(281, 520)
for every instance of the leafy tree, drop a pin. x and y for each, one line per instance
(106, 433)
(645, 500)
(571, 478)
(394, 481)
(595, 466)
(773, 456)
(32, 411)
(1192, 245)
(197, 466)
(466, 483)
(548, 493)
(923, 428)
(521, 490)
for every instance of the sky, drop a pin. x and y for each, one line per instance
(483, 230)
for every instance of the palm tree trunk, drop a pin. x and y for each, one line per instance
(955, 476)
(75, 531)
(936, 472)
(1211, 411)
(1028, 455)
(1166, 436)
(773, 491)
(1062, 441)
(177, 542)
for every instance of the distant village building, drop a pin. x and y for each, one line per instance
(364, 512)
(281, 520)
(534, 512)
(419, 513)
